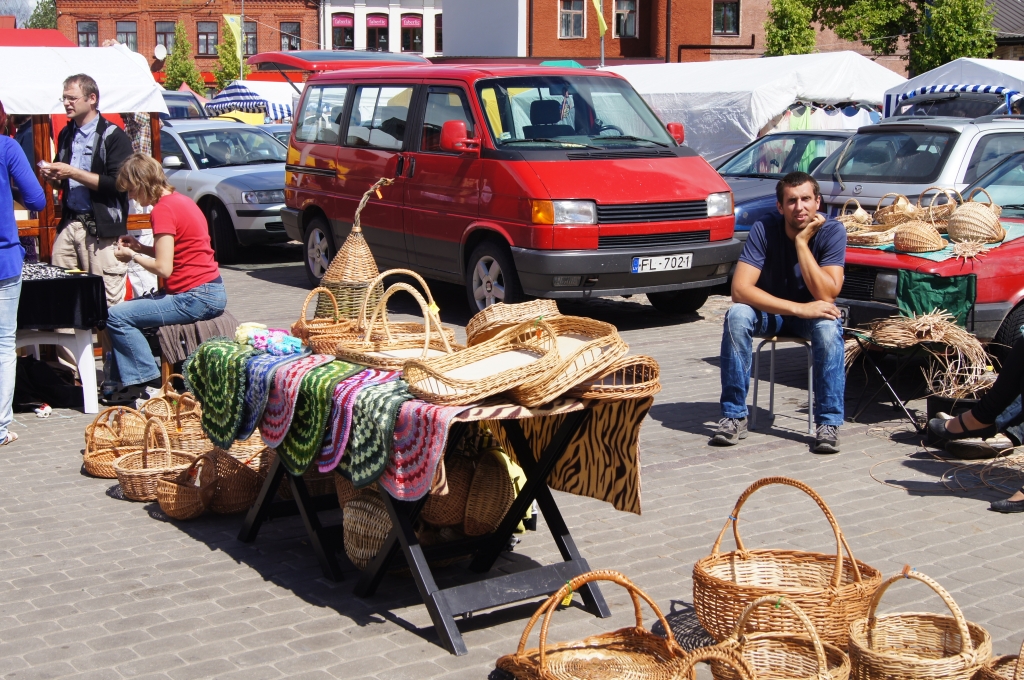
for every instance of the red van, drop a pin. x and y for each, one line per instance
(512, 181)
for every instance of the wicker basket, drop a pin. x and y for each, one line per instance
(917, 237)
(628, 378)
(830, 589)
(1009, 667)
(238, 482)
(916, 646)
(585, 348)
(490, 496)
(114, 432)
(976, 221)
(139, 473)
(515, 356)
(366, 525)
(871, 238)
(346, 492)
(303, 328)
(938, 215)
(896, 213)
(164, 405)
(187, 494)
(492, 320)
(449, 510)
(377, 328)
(857, 220)
(782, 655)
(720, 657)
(633, 652)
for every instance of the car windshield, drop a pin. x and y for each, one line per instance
(233, 146)
(569, 112)
(1005, 184)
(182, 107)
(898, 156)
(777, 155)
(958, 107)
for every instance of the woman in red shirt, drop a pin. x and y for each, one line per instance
(181, 254)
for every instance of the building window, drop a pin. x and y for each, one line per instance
(88, 34)
(625, 19)
(570, 18)
(343, 27)
(727, 18)
(128, 35)
(412, 32)
(250, 38)
(207, 31)
(291, 35)
(438, 35)
(165, 34)
(377, 32)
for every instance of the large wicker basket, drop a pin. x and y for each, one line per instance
(628, 378)
(238, 482)
(140, 473)
(915, 646)
(382, 327)
(492, 320)
(896, 213)
(916, 236)
(187, 495)
(831, 590)
(976, 221)
(366, 525)
(1008, 667)
(114, 432)
(490, 496)
(633, 652)
(449, 510)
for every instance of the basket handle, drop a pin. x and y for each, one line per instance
(840, 539)
(168, 386)
(309, 298)
(102, 417)
(938, 190)
(179, 402)
(428, 318)
(848, 202)
(966, 645)
(896, 200)
(777, 601)
(982, 190)
(707, 654)
(395, 272)
(150, 425)
(382, 182)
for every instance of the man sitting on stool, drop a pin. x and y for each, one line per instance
(786, 283)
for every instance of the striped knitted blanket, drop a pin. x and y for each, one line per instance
(373, 432)
(312, 407)
(339, 424)
(277, 416)
(215, 374)
(260, 370)
(421, 434)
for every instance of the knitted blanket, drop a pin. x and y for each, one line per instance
(277, 416)
(373, 432)
(312, 407)
(339, 424)
(421, 434)
(215, 374)
(260, 371)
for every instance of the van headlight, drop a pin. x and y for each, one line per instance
(276, 196)
(885, 286)
(564, 212)
(720, 205)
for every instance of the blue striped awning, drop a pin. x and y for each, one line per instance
(237, 97)
(892, 100)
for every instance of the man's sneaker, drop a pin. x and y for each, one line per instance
(826, 439)
(730, 431)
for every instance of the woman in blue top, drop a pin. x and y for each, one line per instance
(13, 167)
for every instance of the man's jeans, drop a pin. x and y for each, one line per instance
(743, 322)
(10, 292)
(135, 361)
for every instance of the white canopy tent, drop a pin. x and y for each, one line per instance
(724, 105)
(33, 82)
(962, 75)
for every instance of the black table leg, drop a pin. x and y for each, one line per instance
(324, 548)
(260, 510)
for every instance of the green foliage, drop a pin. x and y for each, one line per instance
(44, 15)
(180, 67)
(788, 29)
(227, 59)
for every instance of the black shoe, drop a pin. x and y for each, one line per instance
(938, 431)
(730, 432)
(826, 439)
(1007, 506)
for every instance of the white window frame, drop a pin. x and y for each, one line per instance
(636, 22)
(558, 28)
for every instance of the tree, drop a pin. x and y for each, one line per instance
(788, 29)
(227, 59)
(44, 15)
(180, 67)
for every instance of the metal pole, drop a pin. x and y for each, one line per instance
(600, 8)
(668, 31)
(241, 47)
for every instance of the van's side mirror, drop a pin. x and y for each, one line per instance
(171, 162)
(455, 138)
(676, 130)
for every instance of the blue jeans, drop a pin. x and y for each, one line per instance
(135, 361)
(10, 292)
(743, 322)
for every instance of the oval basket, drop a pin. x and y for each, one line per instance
(449, 510)
(896, 213)
(916, 646)
(114, 432)
(976, 221)
(632, 652)
(831, 590)
(187, 495)
(490, 496)
(1009, 667)
(139, 473)
(238, 482)
(366, 525)
(628, 378)
(303, 328)
(383, 327)
(916, 236)
(871, 238)
(492, 320)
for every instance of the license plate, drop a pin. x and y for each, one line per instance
(844, 315)
(662, 263)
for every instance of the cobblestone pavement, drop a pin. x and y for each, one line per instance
(95, 587)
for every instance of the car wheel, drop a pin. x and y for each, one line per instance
(491, 277)
(1008, 334)
(222, 233)
(678, 301)
(319, 247)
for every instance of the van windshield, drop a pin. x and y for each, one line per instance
(569, 112)
(890, 156)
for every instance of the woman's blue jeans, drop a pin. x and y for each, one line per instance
(743, 322)
(10, 293)
(125, 321)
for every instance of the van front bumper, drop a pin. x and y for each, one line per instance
(609, 272)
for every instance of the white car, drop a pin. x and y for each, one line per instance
(235, 174)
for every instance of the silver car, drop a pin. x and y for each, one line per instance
(235, 174)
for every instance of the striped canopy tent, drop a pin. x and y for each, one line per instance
(994, 76)
(238, 97)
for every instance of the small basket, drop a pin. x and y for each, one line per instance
(782, 655)
(492, 320)
(632, 652)
(976, 221)
(186, 431)
(139, 473)
(449, 510)
(1009, 667)
(871, 238)
(917, 237)
(187, 494)
(937, 215)
(164, 405)
(366, 525)
(857, 220)
(917, 646)
(896, 213)
(305, 328)
(114, 432)
(628, 378)
(490, 496)
(238, 482)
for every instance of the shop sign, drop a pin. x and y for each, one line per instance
(342, 21)
(412, 21)
(377, 21)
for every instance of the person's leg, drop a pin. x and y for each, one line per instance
(65, 252)
(10, 292)
(742, 323)
(829, 355)
(1008, 388)
(103, 263)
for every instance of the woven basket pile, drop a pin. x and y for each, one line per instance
(182, 416)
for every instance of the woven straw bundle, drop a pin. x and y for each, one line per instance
(916, 236)
(896, 213)
(366, 525)
(976, 221)
(1009, 667)
(857, 220)
(871, 237)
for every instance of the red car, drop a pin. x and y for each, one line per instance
(513, 181)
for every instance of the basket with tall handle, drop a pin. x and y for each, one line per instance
(976, 221)
(139, 473)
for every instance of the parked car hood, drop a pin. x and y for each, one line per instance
(249, 177)
(748, 188)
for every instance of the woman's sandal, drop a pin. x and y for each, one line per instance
(937, 428)
(9, 438)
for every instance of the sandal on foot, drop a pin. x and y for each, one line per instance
(9, 438)
(937, 428)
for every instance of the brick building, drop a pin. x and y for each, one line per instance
(270, 25)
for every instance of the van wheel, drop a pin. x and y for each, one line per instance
(678, 301)
(1008, 334)
(491, 277)
(319, 249)
(222, 233)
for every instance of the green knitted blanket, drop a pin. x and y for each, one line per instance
(215, 374)
(312, 410)
(373, 432)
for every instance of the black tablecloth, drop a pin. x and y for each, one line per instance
(71, 302)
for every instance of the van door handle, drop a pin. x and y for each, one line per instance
(412, 166)
(400, 167)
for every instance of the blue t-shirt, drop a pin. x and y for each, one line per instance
(770, 250)
(14, 166)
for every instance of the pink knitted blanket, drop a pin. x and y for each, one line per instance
(339, 423)
(421, 434)
(277, 416)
